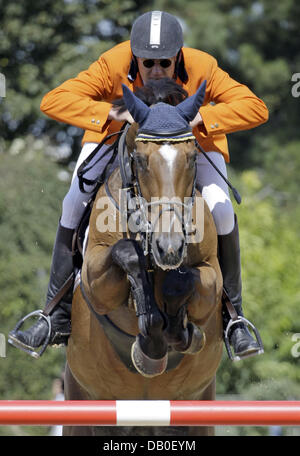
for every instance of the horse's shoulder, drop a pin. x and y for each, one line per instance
(110, 189)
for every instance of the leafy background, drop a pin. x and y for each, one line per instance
(257, 42)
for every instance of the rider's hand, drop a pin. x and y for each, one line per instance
(120, 117)
(197, 120)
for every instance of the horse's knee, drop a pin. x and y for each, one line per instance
(128, 254)
(223, 215)
(219, 203)
(178, 283)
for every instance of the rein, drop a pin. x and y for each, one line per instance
(83, 169)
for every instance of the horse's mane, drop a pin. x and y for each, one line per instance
(163, 90)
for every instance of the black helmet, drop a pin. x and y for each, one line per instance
(156, 35)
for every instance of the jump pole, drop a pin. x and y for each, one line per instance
(150, 413)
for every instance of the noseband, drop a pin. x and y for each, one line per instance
(134, 197)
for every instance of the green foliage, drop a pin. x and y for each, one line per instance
(43, 43)
(30, 195)
(258, 44)
(270, 265)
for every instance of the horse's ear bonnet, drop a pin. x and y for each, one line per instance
(137, 108)
(189, 107)
(162, 121)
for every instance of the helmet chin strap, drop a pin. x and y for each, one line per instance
(133, 69)
(180, 70)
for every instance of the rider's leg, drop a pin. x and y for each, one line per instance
(215, 192)
(75, 201)
(62, 261)
(61, 269)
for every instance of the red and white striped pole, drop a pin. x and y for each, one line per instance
(150, 413)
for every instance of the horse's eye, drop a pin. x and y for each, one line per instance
(141, 161)
(192, 158)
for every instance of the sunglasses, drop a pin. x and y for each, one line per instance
(164, 63)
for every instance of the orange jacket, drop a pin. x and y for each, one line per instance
(85, 101)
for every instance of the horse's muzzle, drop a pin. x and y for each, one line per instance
(168, 250)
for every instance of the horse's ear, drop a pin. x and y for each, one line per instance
(190, 106)
(137, 108)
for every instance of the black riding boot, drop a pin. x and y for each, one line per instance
(239, 336)
(60, 317)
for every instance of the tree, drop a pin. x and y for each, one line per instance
(45, 42)
(32, 186)
(258, 44)
(270, 271)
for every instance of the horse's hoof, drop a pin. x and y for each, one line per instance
(197, 340)
(148, 367)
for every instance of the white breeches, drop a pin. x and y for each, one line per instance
(215, 191)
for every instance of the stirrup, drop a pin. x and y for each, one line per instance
(256, 333)
(31, 351)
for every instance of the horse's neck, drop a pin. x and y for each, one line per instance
(105, 210)
(113, 185)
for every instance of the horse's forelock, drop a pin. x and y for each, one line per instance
(163, 90)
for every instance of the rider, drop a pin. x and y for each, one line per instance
(155, 50)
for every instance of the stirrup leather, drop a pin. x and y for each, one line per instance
(233, 322)
(30, 350)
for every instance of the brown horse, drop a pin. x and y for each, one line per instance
(146, 320)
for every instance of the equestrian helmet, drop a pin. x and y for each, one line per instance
(156, 35)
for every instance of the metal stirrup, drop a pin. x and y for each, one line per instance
(256, 333)
(35, 354)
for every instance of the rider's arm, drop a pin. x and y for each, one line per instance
(236, 106)
(79, 101)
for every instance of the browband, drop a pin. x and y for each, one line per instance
(159, 138)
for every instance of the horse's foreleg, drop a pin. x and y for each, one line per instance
(178, 288)
(149, 353)
(204, 309)
(107, 274)
(207, 295)
(104, 281)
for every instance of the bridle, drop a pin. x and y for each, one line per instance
(137, 208)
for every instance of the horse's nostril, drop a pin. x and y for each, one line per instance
(170, 250)
(180, 250)
(159, 247)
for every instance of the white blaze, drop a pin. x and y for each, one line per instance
(169, 154)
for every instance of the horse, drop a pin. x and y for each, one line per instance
(146, 317)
